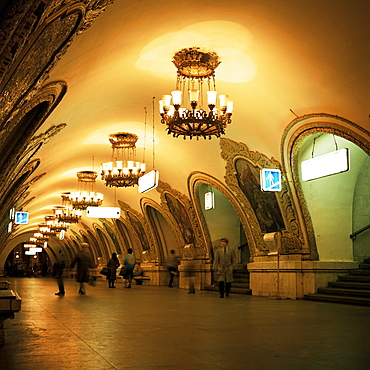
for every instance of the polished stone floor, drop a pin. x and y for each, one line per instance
(162, 328)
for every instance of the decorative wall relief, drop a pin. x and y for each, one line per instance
(123, 235)
(264, 214)
(182, 210)
(140, 230)
(145, 204)
(264, 204)
(110, 230)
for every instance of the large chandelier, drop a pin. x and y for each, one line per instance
(85, 196)
(123, 170)
(66, 213)
(184, 111)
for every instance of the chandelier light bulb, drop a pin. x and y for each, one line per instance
(176, 97)
(211, 97)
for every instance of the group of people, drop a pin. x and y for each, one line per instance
(223, 266)
(129, 265)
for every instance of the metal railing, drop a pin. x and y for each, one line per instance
(353, 235)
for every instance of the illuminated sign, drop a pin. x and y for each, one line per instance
(325, 165)
(30, 253)
(35, 249)
(148, 181)
(270, 179)
(103, 212)
(209, 200)
(21, 218)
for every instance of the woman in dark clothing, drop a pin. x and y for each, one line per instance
(112, 266)
(83, 261)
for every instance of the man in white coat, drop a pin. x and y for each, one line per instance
(223, 266)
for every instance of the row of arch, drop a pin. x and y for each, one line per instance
(179, 220)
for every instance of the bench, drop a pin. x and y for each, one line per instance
(140, 279)
(10, 302)
(4, 285)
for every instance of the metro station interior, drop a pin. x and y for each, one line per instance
(84, 81)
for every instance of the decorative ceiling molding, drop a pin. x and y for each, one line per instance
(35, 35)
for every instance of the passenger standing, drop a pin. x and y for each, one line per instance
(112, 266)
(172, 263)
(129, 264)
(83, 261)
(223, 265)
(58, 269)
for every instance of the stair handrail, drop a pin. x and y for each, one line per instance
(353, 235)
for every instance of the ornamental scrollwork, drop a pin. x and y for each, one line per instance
(264, 213)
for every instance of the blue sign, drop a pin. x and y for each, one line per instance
(270, 179)
(21, 218)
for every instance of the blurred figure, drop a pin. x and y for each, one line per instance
(58, 270)
(112, 266)
(172, 262)
(129, 264)
(44, 269)
(35, 269)
(138, 271)
(83, 261)
(223, 265)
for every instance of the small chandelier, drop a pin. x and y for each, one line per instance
(54, 225)
(186, 116)
(124, 170)
(44, 229)
(65, 213)
(85, 196)
(40, 238)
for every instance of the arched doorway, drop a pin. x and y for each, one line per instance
(338, 204)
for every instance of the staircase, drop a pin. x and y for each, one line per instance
(240, 284)
(353, 288)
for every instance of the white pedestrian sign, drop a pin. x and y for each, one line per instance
(270, 179)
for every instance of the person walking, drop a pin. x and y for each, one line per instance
(223, 266)
(112, 266)
(129, 264)
(83, 262)
(172, 263)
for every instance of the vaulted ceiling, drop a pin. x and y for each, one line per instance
(280, 60)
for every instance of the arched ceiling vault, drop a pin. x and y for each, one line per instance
(278, 58)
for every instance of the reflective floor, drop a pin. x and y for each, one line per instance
(162, 328)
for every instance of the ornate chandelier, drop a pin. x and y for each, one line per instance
(54, 225)
(44, 229)
(66, 213)
(123, 170)
(40, 238)
(85, 196)
(187, 115)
